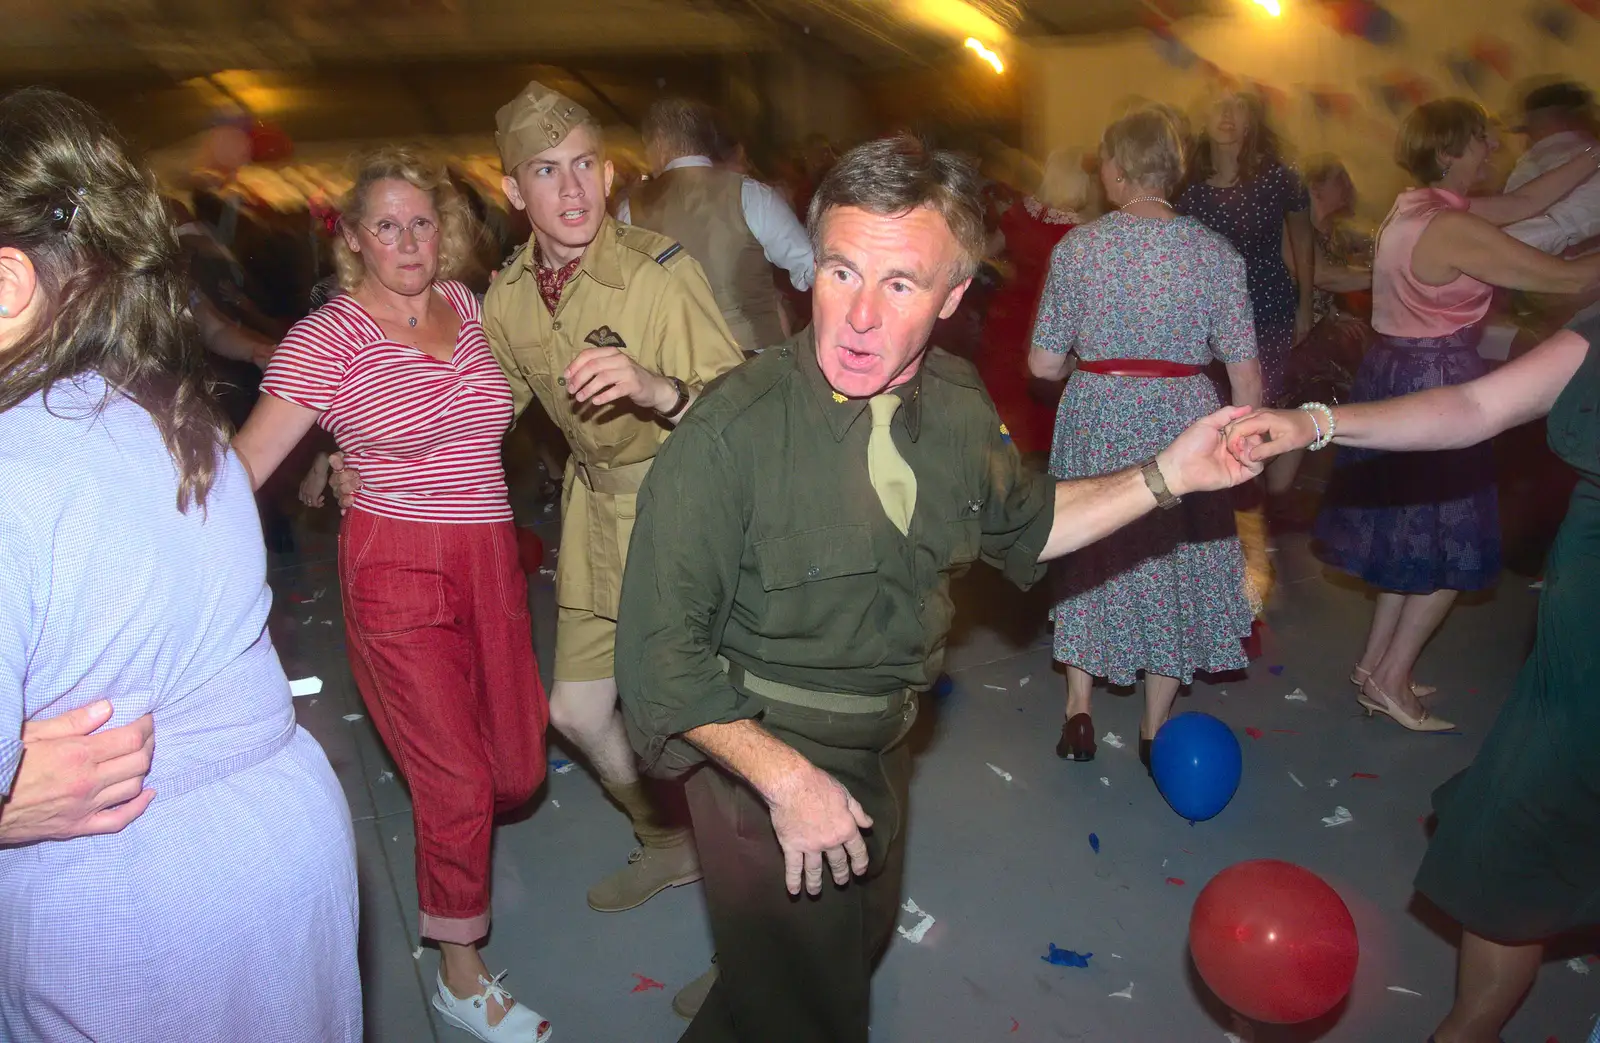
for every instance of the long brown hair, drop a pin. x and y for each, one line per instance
(113, 293)
(1259, 151)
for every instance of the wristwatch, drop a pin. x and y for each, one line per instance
(683, 399)
(1158, 485)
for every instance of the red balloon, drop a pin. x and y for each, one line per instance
(530, 550)
(1273, 941)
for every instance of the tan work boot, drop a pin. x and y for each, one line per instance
(687, 1003)
(650, 871)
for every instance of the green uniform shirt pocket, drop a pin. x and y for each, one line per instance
(830, 552)
(966, 536)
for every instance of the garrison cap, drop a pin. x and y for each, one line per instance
(536, 119)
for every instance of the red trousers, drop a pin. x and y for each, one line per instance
(441, 646)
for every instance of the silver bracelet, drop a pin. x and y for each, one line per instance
(1323, 438)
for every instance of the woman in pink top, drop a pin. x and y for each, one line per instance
(398, 369)
(1421, 527)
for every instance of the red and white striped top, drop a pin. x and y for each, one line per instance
(424, 434)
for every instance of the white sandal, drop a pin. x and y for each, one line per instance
(522, 1024)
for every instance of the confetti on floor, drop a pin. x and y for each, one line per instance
(387, 776)
(1362, 775)
(1254, 733)
(305, 686)
(1066, 957)
(1023, 683)
(1275, 671)
(1332, 783)
(1125, 994)
(919, 932)
(353, 717)
(996, 688)
(1298, 696)
(1339, 817)
(1113, 740)
(645, 984)
(1403, 991)
(1104, 781)
(1006, 775)
(1537, 584)
(1297, 781)
(1175, 881)
(1578, 966)
(555, 803)
(416, 954)
(1015, 1025)
(1094, 842)
(561, 767)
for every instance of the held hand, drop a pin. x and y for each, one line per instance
(1302, 322)
(1270, 432)
(315, 483)
(816, 819)
(599, 376)
(1200, 460)
(345, 481)
(73, 782)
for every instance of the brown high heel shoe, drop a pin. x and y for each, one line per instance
(1077, 738)
(1387, 706)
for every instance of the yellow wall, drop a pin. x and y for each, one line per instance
(1077, 86)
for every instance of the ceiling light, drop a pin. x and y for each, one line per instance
(977, 47)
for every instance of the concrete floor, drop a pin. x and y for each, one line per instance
(1001, 862)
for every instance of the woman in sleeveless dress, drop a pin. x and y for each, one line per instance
(1423, 528)
(1516, 855)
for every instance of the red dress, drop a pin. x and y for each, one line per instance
(1031, 231)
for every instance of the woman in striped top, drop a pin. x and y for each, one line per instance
(397, 368)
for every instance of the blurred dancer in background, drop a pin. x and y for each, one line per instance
(1030, 227)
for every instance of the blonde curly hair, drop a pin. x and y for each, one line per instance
(458, 230)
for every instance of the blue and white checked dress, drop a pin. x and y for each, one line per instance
(228, 911)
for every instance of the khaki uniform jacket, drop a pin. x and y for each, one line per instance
(635, 290)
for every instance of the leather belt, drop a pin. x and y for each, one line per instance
(1144, 368)
(612, 481)
(827, 702)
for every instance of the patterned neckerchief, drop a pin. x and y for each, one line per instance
(553, 280)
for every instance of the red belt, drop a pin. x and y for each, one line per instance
(1148, 368)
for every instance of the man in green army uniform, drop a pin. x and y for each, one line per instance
(787, 594)
(615, 330)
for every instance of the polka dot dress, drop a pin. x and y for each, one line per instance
(1250, 215)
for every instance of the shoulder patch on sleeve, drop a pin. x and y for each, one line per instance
(669, 253)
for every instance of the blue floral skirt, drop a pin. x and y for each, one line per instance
(1414, 523)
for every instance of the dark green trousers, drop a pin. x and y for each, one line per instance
(798, 970)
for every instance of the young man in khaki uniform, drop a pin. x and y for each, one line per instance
(615, 330)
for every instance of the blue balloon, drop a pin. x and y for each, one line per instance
(1196, 763)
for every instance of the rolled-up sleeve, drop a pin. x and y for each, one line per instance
(677, 593)
(1017, 514)
(16, 627)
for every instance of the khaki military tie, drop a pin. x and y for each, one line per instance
(892, 478)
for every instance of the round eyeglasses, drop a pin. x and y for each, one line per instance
(388, 233)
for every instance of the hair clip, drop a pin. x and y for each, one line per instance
(61, 216)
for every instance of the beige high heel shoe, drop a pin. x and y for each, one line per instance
(1358, 677)
(1386, 706)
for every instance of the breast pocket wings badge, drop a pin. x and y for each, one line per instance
(604, 337)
